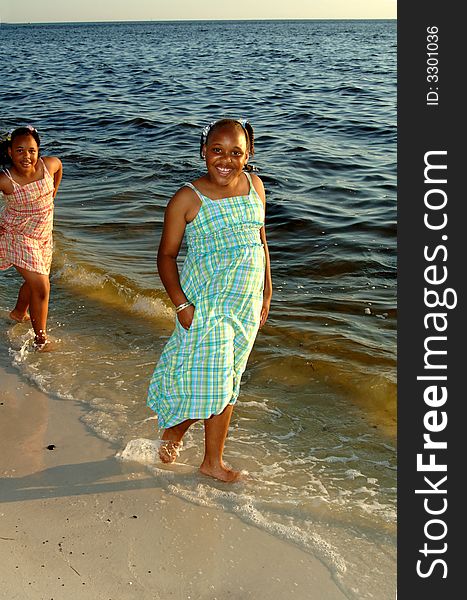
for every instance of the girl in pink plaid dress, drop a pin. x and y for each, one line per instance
(29, 188)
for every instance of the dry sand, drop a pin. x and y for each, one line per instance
(75, 523)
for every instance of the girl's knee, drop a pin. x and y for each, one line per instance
(41, 289)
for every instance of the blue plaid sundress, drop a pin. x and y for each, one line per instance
(199, 371)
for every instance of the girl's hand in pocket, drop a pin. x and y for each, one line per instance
(185, 316)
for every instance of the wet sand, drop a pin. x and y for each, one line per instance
(77, 523)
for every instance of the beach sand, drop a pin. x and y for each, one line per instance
(76, 523)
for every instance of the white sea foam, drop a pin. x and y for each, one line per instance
(151, 307)
(262, 406)
(338, 459)
(109, 290)
(20, 339)
(322, 535)
(245, 506)
(286, 436)
(79, 276)
(104, 424)
(352, 474)
(141, 450)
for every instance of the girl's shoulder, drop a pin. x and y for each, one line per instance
(6, 185)
(258, 185)
(185, 194)
(184, 203)
(53, 163)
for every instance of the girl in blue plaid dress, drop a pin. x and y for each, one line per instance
(221, 297)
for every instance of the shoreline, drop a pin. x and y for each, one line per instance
(76, 522)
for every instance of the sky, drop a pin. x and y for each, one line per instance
(34, 11)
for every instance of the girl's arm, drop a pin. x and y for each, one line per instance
(267, 293)
(5, 184)
(175, 220)
(54, 167)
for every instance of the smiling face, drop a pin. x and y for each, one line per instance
(226, 154)
(24, 153)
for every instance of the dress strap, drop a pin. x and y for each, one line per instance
(197, 192)
(46, 171)
(8, 174)
(250, 181)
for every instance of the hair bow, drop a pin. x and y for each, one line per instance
(206, 129)
(7, 136)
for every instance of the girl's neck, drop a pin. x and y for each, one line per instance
(239, 187)
(28, 175)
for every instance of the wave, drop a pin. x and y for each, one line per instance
(113, 290)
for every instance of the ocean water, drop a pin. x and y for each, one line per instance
(123, 105)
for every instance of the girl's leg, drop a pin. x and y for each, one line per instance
(172, 440)
(175, 433)
(20, 312)
(215, 433)
(39, 287)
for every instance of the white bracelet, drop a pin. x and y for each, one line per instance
(181, 307)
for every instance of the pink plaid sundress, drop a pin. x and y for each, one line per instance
(26, 225)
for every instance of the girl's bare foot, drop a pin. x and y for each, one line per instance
(47, 346)
(16, 316)
(169, 450)
(221, 472)
(43, 344)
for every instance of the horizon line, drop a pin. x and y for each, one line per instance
(198, 20)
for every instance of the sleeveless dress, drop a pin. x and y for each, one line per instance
(26, 225)
(200, 369)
